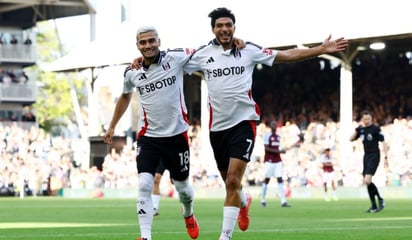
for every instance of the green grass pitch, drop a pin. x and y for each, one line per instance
(115, 219)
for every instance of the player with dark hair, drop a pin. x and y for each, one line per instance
(162, 128)
(273, 166)
(233, 112)
(371, 135)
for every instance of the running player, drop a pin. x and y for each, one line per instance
(163, 126)
(233, 112)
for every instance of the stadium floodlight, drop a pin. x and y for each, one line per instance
(377, 46)
(361, 48)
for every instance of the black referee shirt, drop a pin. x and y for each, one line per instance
(370, 136)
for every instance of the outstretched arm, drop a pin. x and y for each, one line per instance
(121, 106)
(328, 46)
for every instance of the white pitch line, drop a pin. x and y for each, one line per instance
(372, 219)
(309, 229)
(23, 225)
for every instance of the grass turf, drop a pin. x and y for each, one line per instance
(115, 219)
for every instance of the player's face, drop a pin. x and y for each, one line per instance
(148, 44)
(367, 120)
(224, 30)
(273, 126)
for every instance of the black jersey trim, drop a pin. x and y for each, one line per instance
(176, 50)
(253, 44)
(128, 68)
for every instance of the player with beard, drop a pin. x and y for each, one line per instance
(162, 127)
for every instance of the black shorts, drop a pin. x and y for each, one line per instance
(172, 151)
(370, 163)
(160, 167)
(235, 142)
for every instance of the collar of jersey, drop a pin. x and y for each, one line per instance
(233, 51)
(157, 60)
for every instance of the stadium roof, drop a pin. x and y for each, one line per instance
(274, 25)
(92, 56)
(25, 13)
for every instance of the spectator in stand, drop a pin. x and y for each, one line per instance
(28, 47)
(13, 40)
(27, 41)
(28, 116)
(6, 77)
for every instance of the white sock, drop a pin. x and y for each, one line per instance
(155, 200)
(229, 221)
(185, 192)
(243, 200)
(264, 190)
(144, 205)
(281, 193)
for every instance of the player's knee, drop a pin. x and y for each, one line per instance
(232, 183)
(145, 182)
(367, 180)
(157, 179)
(184, 189)
(181, 185)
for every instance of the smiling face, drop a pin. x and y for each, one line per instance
(148, 44)
(224, 29)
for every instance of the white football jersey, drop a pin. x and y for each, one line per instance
(228, 75)
(163, 111)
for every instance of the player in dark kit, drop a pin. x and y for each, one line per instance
(370, 135)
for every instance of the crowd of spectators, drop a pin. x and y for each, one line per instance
(15, 45)
(24, 115)
(13, 76)
(7, 38)
(33, 160)
(305, 102)
(43, 164)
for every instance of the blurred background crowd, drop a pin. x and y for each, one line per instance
(43, 164)
(303, 99)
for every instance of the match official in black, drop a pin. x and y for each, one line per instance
(371, 135)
